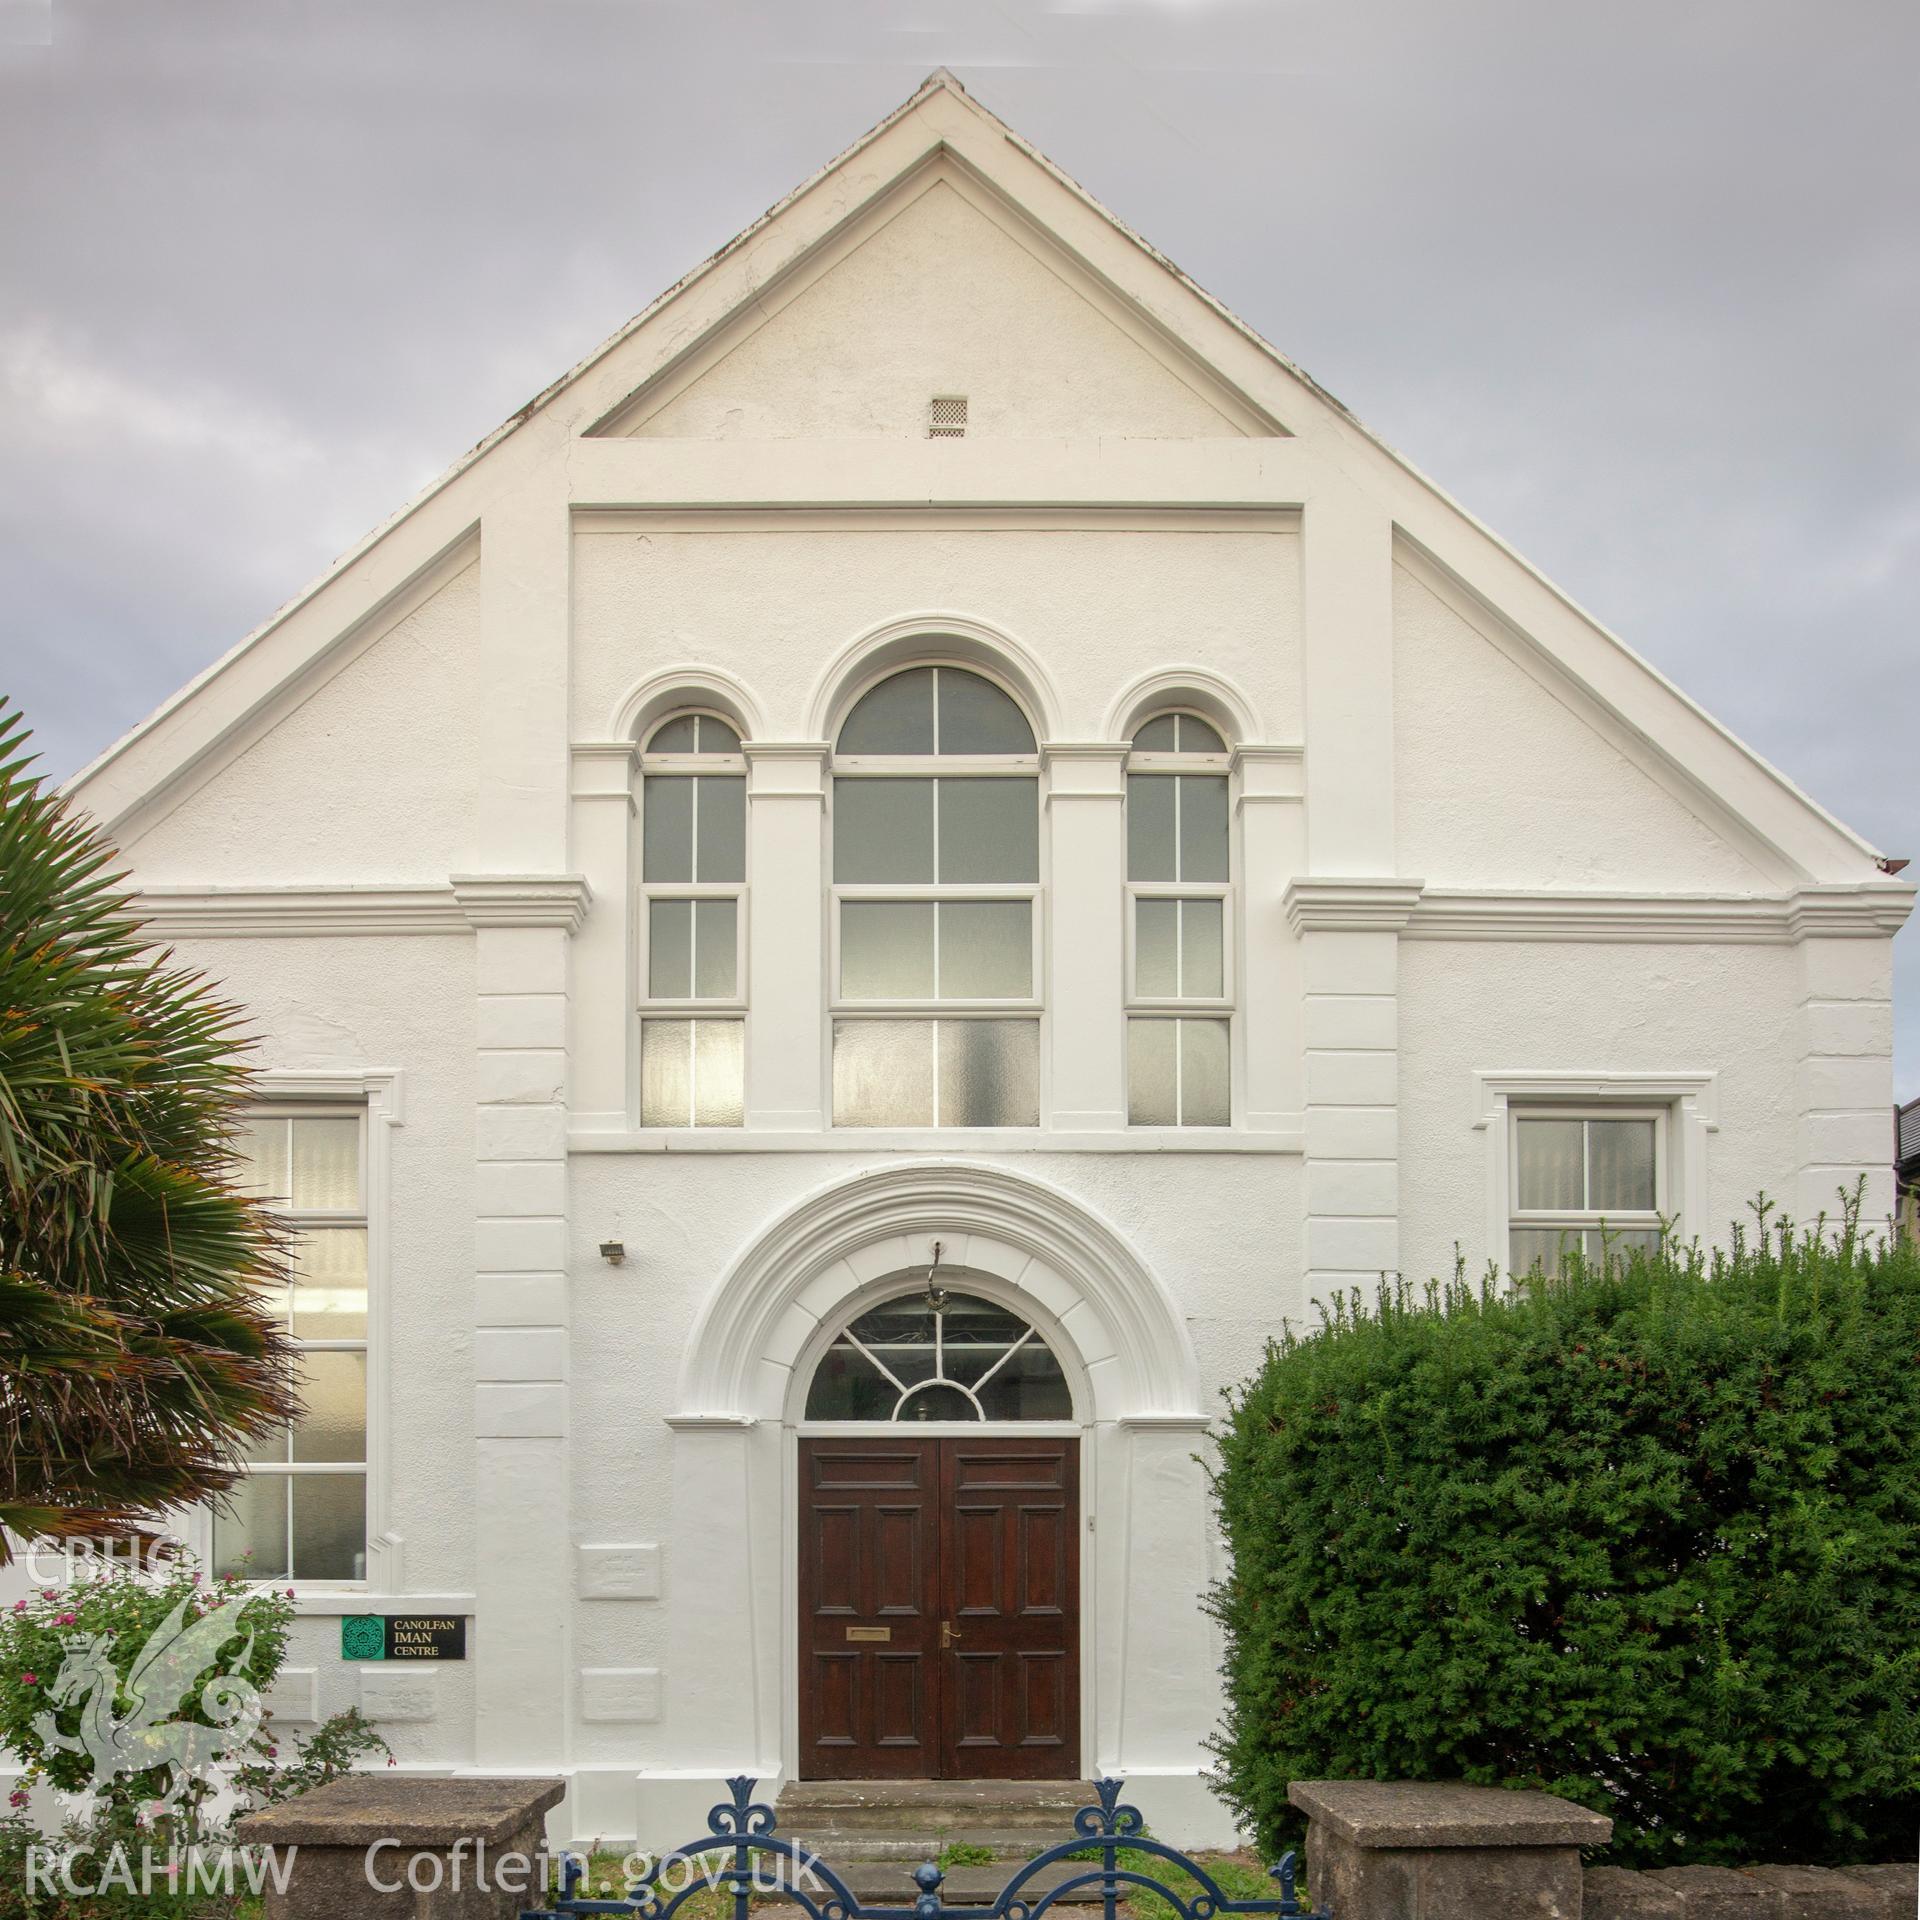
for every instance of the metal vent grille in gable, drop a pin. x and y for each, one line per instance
(947, 416)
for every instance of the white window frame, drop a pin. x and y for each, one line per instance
(1215, 1007)
(935, 767)
(1582, 1220)
(375, 1095)
(1684, 1100)
(731, 1007)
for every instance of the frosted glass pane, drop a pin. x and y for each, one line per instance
(715, 736)
(986, 949)
(1638, 1240)
(329, 1526)
(271, 1448)
(1205, 1096)
(1202, 975)
(883, 1073)
(1538, 1247)
(1620, 1169)
(326, 1165)
(334, 1424)
(989, 830)
(1203, 826)
(882, 830)
(1197, 737)
(989, 1073)
(894, 717)
(674, 736)
(723, 828)
(716, 950)
(666, 827)
(261, 1148)
(1548, 1162)
(666, 1073)
(1150, 1073)
(250, 1532)
(1159, 735)
(719, 1073)
(1156, 948)
(886, 950)
(330, 1284)
(1150, 832)
(669, 949)
(976, 717)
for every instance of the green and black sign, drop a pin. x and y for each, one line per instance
(403, 1636)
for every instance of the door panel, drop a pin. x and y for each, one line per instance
(869, 1608)
(939, 1608)
(1012, 1508)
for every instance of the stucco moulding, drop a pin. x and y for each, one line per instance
(1419, 912)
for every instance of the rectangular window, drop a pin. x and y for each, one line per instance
(937, 924)
(301, 1512)
(1586, 1181)
(693, 869)
(1179, 957)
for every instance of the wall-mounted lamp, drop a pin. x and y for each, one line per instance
(613, 1252)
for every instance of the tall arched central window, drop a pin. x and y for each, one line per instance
(936, 922)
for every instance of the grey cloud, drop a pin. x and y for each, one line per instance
(1638, 284)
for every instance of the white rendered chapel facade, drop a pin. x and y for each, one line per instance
(935, 733)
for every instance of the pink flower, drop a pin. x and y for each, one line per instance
(273, 1753)
(195, 1581)
(29, 1679)
(289, 1593)
(391, 1761)
(65, 1620)
(47, 1593)
(18, 1797)
(19, 1606)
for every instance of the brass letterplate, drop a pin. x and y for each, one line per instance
(869, 1633)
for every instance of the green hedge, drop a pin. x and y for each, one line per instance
(1647, 1536)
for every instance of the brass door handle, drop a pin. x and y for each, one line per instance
(947, 1635)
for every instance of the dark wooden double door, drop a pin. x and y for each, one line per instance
(939, 1608)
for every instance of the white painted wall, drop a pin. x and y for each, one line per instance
(1469, 843)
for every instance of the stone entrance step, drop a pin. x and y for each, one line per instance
(947, 1807)
(873, 1833)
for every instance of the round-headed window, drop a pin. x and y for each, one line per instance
(958, 1357)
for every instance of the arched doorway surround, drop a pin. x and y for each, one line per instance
(802, 1274)
(1148, 1659)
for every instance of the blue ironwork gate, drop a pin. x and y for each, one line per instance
(741, 1843)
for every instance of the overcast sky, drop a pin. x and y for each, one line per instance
(1639, 284)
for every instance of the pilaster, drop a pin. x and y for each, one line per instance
(1349, 942)
(1086, 941)
(786, 934)
(1271, 784)
(522, 926)
(1845, 1071)
(603, 1035)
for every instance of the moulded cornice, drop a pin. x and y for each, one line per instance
(523, 899)
(1322, 905)
(1872, 912)
(255, 913)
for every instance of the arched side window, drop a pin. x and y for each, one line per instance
(693, 870)
(936, 896)
(957, 1357)
(1180, 926)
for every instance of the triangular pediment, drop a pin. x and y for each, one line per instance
(941, 291)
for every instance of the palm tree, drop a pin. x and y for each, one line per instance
(136, 1366)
